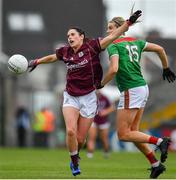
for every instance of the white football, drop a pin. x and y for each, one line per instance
(17, 64)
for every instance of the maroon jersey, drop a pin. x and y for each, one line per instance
(83, 67)
(103, 103)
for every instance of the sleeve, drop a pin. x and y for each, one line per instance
(95, 45)
(112, 50)
(59, 53)
(143, 44)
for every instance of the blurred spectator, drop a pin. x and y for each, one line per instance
(153, 34)
(101, 125)
(23, 124)
(43, 125)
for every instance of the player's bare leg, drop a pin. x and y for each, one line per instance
(91, 141)
(144, 148)
(162, 144)
(156, 167)
(133, 123)
(125, 118)
(105, 140)
(82, 130)
(71, 116)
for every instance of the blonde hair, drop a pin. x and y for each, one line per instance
(118, 21)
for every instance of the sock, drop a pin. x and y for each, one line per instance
(151, 158)
(74, 158)
(160, 140)
(155, 164)
(155, 140)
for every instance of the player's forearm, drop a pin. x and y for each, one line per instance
(47, 59)
(108, 77)
(163, 57)
(159, 50)
(114, 35)
(119, 31)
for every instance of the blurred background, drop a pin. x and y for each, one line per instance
(36, 28)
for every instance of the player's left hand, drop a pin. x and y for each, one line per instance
(169, 75)
(133, 18)
(32, 65)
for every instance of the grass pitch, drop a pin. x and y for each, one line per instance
(54, 164)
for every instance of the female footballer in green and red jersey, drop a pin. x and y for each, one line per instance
(125, 53)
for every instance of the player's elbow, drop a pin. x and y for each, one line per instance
(160, 49)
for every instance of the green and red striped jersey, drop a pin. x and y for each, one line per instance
(129, 51)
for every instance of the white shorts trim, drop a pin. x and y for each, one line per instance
(101, 126)
(70, 105)
(86, 104)
(134, 98)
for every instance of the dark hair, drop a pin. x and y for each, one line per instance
(79, 30)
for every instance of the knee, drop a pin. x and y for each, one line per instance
(134, 128)
(71, 132)
(122, 136)
(80, 140)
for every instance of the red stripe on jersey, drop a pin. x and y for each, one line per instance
(124, 39)
(127, 100)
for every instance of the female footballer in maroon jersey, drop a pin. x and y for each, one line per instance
(84, 72)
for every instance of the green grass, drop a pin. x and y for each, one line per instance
(54, 164)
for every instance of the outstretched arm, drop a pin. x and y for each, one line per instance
(119, 31)
(167, 73)
(151, 47)
(113, 68)
(46, 59)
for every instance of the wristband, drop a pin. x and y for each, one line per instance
(36, 62)
(128, 22)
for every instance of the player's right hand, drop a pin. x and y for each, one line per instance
(32, 64)
(133, 18)
(99, 86)
(169, 75)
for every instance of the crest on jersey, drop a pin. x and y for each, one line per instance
(81, 54)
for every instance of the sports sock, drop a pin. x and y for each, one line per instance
(151, 157)
(155, 140)
(155, 164)
(75, 158)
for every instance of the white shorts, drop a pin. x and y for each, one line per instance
(101, 126)
(133, 98)
(87, 104)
